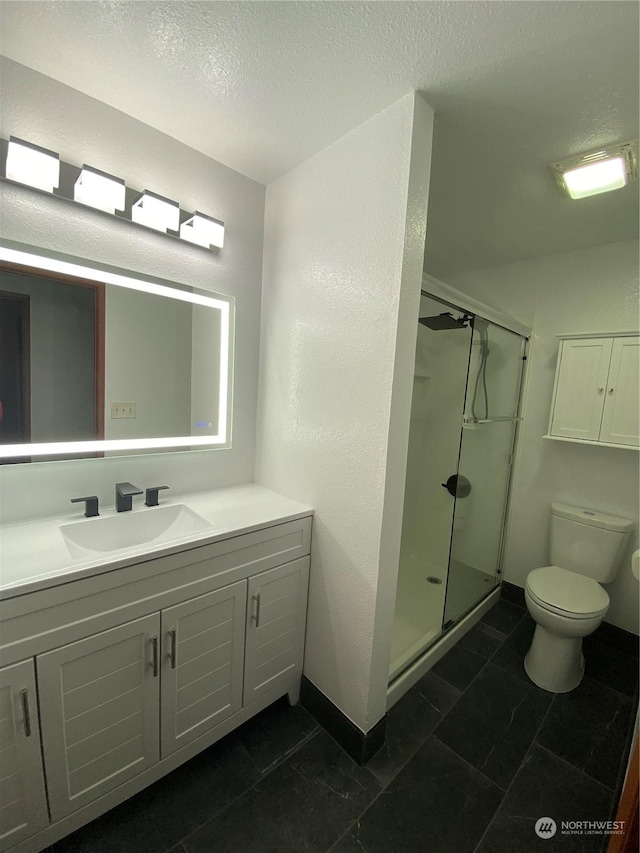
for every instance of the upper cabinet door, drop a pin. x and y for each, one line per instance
(621, 420)
(23, 803)
(101, 723)
(276, 617)
(580, 388)
(202, 663)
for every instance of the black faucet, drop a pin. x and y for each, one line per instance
(90, 505)
(124, 496)
(151, 495)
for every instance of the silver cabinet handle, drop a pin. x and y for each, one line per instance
(256, 615)
(172, 648)
(24, 698)
(601, 390)
(611, 390)
(154, 656)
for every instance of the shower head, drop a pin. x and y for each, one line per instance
(446, 321)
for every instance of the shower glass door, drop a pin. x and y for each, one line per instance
(488, 431)
(440, 377)
(464, 411)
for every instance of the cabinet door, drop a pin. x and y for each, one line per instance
(23, 803)
(580, 388)
(620, 421)
(276, 618)
(99, 700)
(203, 657)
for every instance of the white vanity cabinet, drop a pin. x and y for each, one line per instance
(595, 397)
(139, 668)
(23, 804)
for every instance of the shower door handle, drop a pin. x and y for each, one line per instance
(457, 485)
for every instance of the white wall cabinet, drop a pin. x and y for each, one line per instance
(23, 804)
(595, 398)
(216, 634)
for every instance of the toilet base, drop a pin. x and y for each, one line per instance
(554, 663)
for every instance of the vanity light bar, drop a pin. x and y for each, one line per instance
(32, 165)
(42, 169)
(203, 230)
(100, 190)
(156, 211)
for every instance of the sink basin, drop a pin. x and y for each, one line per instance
(152, 526)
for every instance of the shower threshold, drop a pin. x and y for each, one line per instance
(405, 680)
(414, 651)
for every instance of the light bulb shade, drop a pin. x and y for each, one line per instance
(203, 230)
(156, 212)
(594, 178)
(29, 164)
(100, 190)
(598, 172)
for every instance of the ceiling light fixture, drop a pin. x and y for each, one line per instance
(597, 172)
(31, 165)
(100, 190)
(203, 230)
(156, 212)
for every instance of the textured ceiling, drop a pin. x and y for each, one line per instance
(261, 86)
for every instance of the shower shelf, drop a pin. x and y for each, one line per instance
(468, 421)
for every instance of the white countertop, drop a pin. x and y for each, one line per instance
(33, 554)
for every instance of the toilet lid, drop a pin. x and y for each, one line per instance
(568, 591)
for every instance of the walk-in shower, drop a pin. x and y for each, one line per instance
(464, 412)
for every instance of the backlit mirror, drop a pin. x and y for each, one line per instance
(98, 361)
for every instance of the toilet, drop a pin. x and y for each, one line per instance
(566, 599)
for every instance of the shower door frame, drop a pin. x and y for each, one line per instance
(434, 288)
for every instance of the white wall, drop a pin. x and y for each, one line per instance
(344, 242)
(594, 290)
(83, 130)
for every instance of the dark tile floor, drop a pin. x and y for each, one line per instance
(474, 755)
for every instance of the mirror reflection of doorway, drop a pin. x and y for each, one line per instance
(15, 375)
(51, 359)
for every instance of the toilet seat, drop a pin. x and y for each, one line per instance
(567, 593)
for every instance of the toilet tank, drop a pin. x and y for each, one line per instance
(587, 542)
